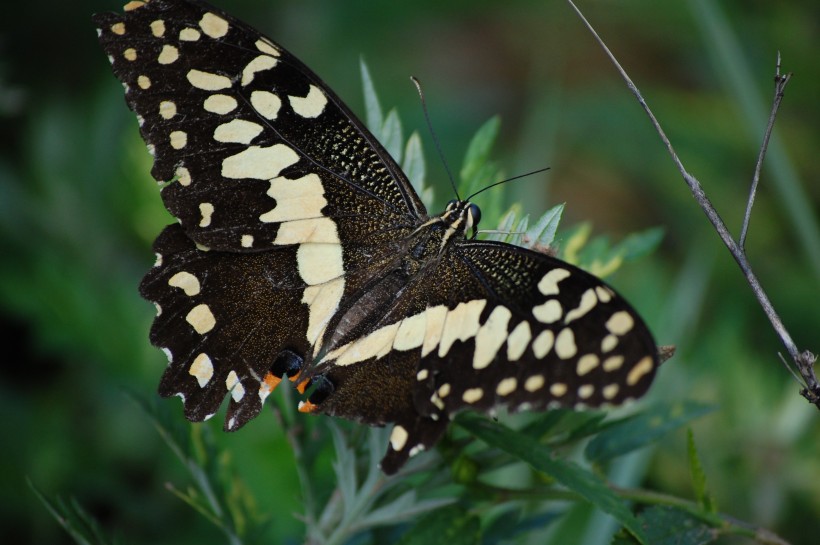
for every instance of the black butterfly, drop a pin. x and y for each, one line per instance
(302, 251)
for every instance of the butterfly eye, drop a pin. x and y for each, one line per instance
(475, 216)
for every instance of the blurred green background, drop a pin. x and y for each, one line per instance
(78, 211)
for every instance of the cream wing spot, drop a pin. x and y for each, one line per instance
(189, 35)
(422, 375)
(144, 82)
(319, 263)
(207, 81)
(259, 64)
(587, 303)
(398, 438)
(247, 241)
(168, 55)
(491, 337)
(608, 343)
(309, 106)
(436, 316)
(604, 294)
(610, 391)
(266, 47)
(183, 176)
(237, 131)
(472, 395)
(443, 390)
(202, 369)
(375, 345)
(642, 368)
(548, 312)
(506, 386)
(586, 391)
(323, 301)
(261, 163)
(296, 199)
(534, 383)
(518, 341)
(179, 139)
(266, 104)
(201, 319)
(620, 323)
(318, 230)
(130, 54)
(586, 364)
(461, 324)
(543, 343)
(167, 109)
(118, 28)
(213, 25)
(558, 389)
(158, 28)
(565, 346)
(613, 363)
(206, 210)
(134, 4)
(185, 281)
(548, 285)
(220, 104)
(411, 334)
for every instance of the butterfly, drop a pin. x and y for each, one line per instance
(302, 252)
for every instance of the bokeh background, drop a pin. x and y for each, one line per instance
(78, 211)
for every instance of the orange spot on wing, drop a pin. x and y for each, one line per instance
(302, 386)
(307, 407)
(272, 381)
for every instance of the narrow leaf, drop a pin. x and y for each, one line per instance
(572, 476)
(670, 526)
(372, 108)
(391, 135)
(642, 429)
(478, 151)
(542, 233)
(413, 163)
(702, 494)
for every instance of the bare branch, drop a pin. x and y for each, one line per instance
(803, 361)
(780, 82)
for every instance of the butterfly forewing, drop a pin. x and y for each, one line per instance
(303, 252)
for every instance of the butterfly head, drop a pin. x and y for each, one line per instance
(461, 216)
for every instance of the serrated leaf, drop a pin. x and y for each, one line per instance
(517, 235)
(478, 150)
(574, 240)
(640, 244)
(74, 519)
(542, 233)
(372, 108)
(390, 135)
(639, 430)
(413, 163)
(670, 526)
(572, 476)
(704, 498)
(451, 525)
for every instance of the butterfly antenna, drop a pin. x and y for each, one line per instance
(505, 181)
(417, 83)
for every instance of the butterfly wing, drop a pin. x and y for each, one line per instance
(254, 154)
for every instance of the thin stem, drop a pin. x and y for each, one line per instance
(803, 361)
(780, 82)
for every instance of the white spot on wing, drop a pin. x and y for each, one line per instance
(620, 323)
(543, 343)
(506, 386)
(189, 35)
(311, 105)
(319, 263)
(207, 81)
(201, 319)
(167, 109)
(587, 303)
(518, 341)
(640, 369)
(213, 25)
(471, 395)
(237, 131)
(398, 437)
(549, 283)
(266, 47)
(247, 241)
(435, 325)
(295, 199)
(259, 64)
(206, 209)
(491, 337)
(461, 324)
(220, 104)
(586, 364)
(183, 176)
(565, 346)
(186, 281)
(266, 104)
(179, 139)
(411, 334)
(158, 28)
(534, 383)
(548, 312)
(261, 163)
(323, 301)
(168, 55)
(202, 369)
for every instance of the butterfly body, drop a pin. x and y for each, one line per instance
(303, 252)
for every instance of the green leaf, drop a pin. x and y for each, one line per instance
(452, 525)
(372, 108)
(702, 494)
(639, 430)
(413, 165)
(478, 151)
(542, 233)
(577, 479)
(670, 526)
(640, 244)
(390, 135)
(81, 526)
